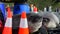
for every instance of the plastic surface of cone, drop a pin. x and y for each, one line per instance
(19, 8)
(8, 25)
(2, 7)
(23, 15)
(8, 8)
(23, 28)
(9, 12)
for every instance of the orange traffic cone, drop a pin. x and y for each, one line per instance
(35, 9)
(23, 28)
(8, 9)
(8, 25)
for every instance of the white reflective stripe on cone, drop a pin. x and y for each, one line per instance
(8, 22)
(23, 23)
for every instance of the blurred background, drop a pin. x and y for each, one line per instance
(40, 4)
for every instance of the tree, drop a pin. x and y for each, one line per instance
(43, 3)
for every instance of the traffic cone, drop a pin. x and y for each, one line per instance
(8, 25)
(23, 28)
(35, 9)
(8, 8)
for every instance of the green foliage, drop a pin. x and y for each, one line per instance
(43, 3)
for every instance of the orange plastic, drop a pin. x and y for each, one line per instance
(7, 30)
(23, 15)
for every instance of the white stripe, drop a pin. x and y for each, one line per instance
(23, 23)
(8, 22)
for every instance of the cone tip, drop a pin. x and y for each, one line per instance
(23, 15)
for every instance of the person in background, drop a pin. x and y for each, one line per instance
(31, 7)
